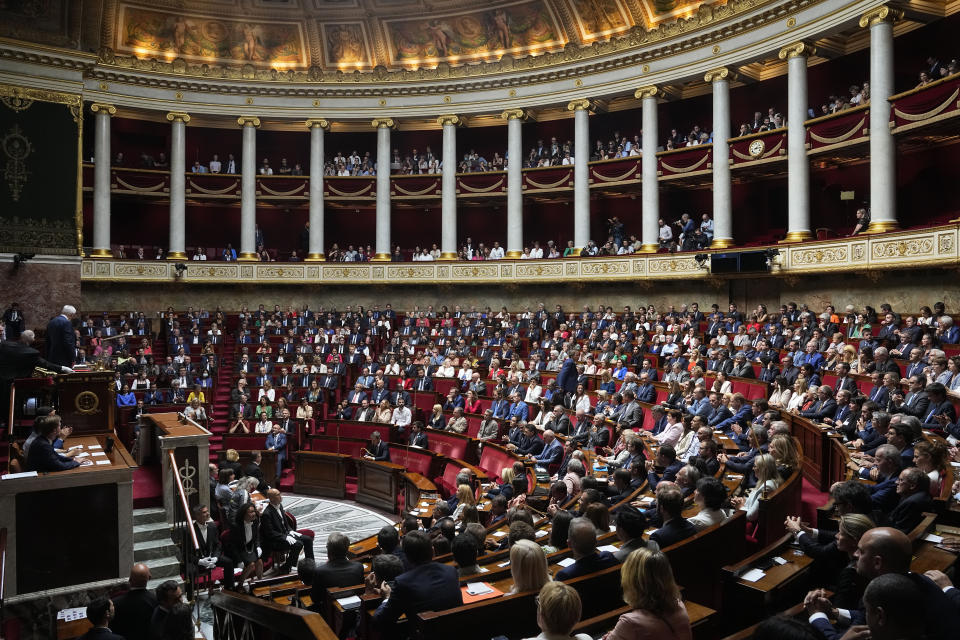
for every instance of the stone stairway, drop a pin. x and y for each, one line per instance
(153, 546)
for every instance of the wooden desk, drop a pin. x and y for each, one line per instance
(377, 483)
(85, 512)
(73, 629)
(321, 474)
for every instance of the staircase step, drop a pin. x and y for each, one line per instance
(149, 516)
(156, 582)
(151, 531)
(154, 550)
(163, 567)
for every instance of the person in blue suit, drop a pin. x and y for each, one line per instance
(567, 376)
(277, 441)
(42, 457)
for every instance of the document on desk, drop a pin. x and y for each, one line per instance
(539, 533)
(608, 547)
(932, 537)
(478, 588)
(76, 613)
(22, 474)
(82, 455)
(566, 562)
(94, 446)
(98, 453)
(103, 462)
(351, 602)
(753, 575)
(499, 534)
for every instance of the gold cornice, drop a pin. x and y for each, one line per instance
(649, 91)
(178, 116)
(877, 15)
(721, 73)
(514, 114)
(451, 118)
(251, 121)
(580, 104)
(108, 109)
(19, 93)
(318, 122)
(381, 123)
(797, 50)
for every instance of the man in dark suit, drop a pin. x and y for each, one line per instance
(844, 379)
(277, 534)
(61, 339)
(675, 527)
(666, 460)
(582, 539)
(99, 613)
(132, 610)
(18, 359)
(941, 414)
(210, 554)
(168, 594)
(558, 422)
(378, 449)
(427, 586)
(824, 407)
(916, 402)
(252, 470)
(41, 456)
(417, 437)
(914, 490)
(337, 571)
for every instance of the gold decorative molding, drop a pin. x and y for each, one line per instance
(649, 91)
(451, 118)
(797, 236)
(323, 123)
(248, 121)
(178, 116)
(721, 243)
(797, 50)
(19, 98)
(248, 256)
(882, 226)
(176, 255)
(315, 257)
(98, 107)
(580, 104)
(381, 123)
(721, 73)
(514, 114)
(878, 15)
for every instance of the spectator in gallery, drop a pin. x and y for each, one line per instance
(863, 221)
(215, 166)
(265, 169)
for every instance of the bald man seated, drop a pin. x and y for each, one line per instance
(884, 551)
(133, 609)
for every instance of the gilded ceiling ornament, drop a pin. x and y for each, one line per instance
(17, 102)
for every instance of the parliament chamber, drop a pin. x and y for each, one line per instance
(679, 358)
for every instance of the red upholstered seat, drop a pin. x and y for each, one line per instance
(448, 444)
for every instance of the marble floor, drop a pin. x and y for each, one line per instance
(323, 516)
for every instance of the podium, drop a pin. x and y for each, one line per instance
(86, 401)
(377, 483)
(190, 445)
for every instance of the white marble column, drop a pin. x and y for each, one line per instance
(101, 181)
(318, 127)
(883, 150)
(798, 166)
(248, 188)
(383, 250)
(178, 184)
(722, 198)
(514, 118)
(649, 188)
(581, 175)
(448, 204)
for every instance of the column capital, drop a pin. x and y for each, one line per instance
(451, 118)
(721, 73)
(318, 122)
(178, 116)
(514, 114)
(877, 15)
(649, 91)
(108, 109)
(248, 121)
(380, 123)
(580, 104)
(797, 50)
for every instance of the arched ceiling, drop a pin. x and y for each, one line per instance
(333, 35)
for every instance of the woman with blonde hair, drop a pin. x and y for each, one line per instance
(384, 412)
(465, 497)
(437, 421)
(649, 588)
(558, 612)
(505, 488)
(800, 389)
(765, 468)
(784, 450)
(528, 566)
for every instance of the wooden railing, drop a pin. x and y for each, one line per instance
(239, 617)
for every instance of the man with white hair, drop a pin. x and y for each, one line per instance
(61, 338)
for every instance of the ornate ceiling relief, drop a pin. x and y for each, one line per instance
(346, 45)
(146, 32)
(44, 21)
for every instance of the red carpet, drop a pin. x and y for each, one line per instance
(811, 499)
(147, 487)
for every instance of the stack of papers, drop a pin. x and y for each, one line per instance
(753, 575)
(351, 602)
(566, 562)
